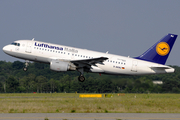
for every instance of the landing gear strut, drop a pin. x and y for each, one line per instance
(26, 65)
(81, 78)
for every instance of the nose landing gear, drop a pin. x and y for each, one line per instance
(26, 65)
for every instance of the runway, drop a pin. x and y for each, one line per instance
(89, 116)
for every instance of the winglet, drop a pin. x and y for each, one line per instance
(160, 51)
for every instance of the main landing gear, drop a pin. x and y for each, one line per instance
(26, 65)
(81, 78)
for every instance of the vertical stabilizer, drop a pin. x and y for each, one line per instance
(160, 51)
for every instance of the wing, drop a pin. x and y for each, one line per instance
(89, 62)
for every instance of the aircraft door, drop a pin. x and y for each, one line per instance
(28, 47)
(134, 66)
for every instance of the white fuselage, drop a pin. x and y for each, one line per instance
(115, 64)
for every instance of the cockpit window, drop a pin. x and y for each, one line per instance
(16, 44)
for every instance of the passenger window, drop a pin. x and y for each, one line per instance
(40, 48)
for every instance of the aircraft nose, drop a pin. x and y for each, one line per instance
(5, 49)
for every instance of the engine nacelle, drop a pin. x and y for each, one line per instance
(61, 66)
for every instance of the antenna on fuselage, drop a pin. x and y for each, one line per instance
(107, 52)
(33, 39)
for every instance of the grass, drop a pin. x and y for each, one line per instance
(71, 103)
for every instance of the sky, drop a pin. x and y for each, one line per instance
(122, 27)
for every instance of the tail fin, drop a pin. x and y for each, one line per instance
(160, 51)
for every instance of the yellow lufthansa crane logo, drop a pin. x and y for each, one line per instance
(162, 48)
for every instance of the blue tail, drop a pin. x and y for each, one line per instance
(160, 51)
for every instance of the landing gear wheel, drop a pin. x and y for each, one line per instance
(26, 65)
(25, 69)
(81, 78)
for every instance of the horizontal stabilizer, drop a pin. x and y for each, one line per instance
(165, 67)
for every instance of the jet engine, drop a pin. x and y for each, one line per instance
(62, 66)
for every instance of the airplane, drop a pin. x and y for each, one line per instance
(65, 58)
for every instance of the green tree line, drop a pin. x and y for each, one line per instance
(39, 78)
